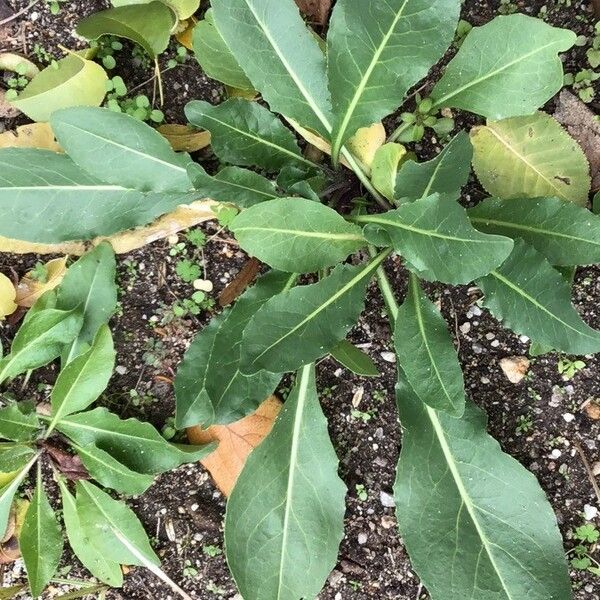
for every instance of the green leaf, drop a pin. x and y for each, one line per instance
(148, 25)
(246, 133)
(377, 52)
(135, 444)
(214, 56)
(89, 283)
(596, 204)
(506, 68)
(426, 353)
(446, 174)
(71, 81)
(111, 527)
(40, 340)
(533, 299)
(437, 240)
(384, 168)
(33, 180)
(354, 359)
(564, 233)
(289, 70)
(17, 425)
(530, 156)
(305, 323)
(296, 234)
(82, 381)
(284, 519)
(134, 154)
(41, 540)
(13, 457)
(209, 387)
(304, 182)
(464, 504)
(7, 493)
(234, 185)
(95, 562)
(111, 473)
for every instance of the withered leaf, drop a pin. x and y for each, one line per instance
(316, 10)
(32, 135)
(240, 282)
(31, 287)
(68, 464)
(184, 138)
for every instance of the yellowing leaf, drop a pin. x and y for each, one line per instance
(236, 441)
(126, 241)
(233, 92)
(364, 144)
(18, 64)
(31, 288)
(7, 297)
(33, 135)
(184, 138)
(184, 37)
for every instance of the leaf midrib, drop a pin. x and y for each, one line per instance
(303, 233)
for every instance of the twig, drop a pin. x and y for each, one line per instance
(18, 14)
(588, 468)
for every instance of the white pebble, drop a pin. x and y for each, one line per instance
(590, 512)
(121, 370)
(556, 453)
(387, 500)
(362, 538)
(568, 417)
(465, 327)
(204, 285)
(388, 357)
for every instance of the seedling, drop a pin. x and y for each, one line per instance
(569, 368)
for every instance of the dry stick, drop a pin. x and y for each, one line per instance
(588, 468)
(18, 14)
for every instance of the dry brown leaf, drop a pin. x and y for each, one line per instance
(241, 281)
(8, 294)
(316, 10)
(582, 125)
(30, 289)
(592, 410)
(9, 544)
(33, 135)
(515, 368)
(184, 37)
(236, 441)
(364, 143)
(184, 138)
(126, 241)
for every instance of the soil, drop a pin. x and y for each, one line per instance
(542, 421)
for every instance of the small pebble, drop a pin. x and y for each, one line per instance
(203, 285)
(388, 357)
(465, 327)
(121, 370)
(568, 417)
(556, 453)
(362, 538)
(590, 512)
(387, 500)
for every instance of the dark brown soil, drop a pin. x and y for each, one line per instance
(540, 421)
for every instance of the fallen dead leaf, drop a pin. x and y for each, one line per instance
(592, 410)
(69, 465)
(316, 10)
(236, 441)
(183, 217)
(240, 282)
(582, 125)
(515, 367)
(8, 294)
(185, 35)
(33, 135)
(363, 144)
(9, 544)
(9, 61)
(30, 288)
(184, 138)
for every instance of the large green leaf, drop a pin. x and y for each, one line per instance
(214, 56)
(246, 133)
(289, 69)
(445, 174)
(17, 425)
(305, 323)
(437, 240)
(7, 493)
(72, 81)
(111, 527)
(134, 155)
(135, 444)
(534, 299)
(149, 25)
(106, 570)
(377, 51)
(111, 473)
(89, 285)
(84, 378)
(41, 540)
(13, 457)
(209, 385)
(476, 524)
(506, 68)
(32, 181)
(426, 353)
(296, 235)
(238, 186)
(354, 359)
(40, 340)
(564, 233)
(284, 519)
(531, 156)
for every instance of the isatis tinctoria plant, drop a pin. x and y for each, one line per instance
(476, 524)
